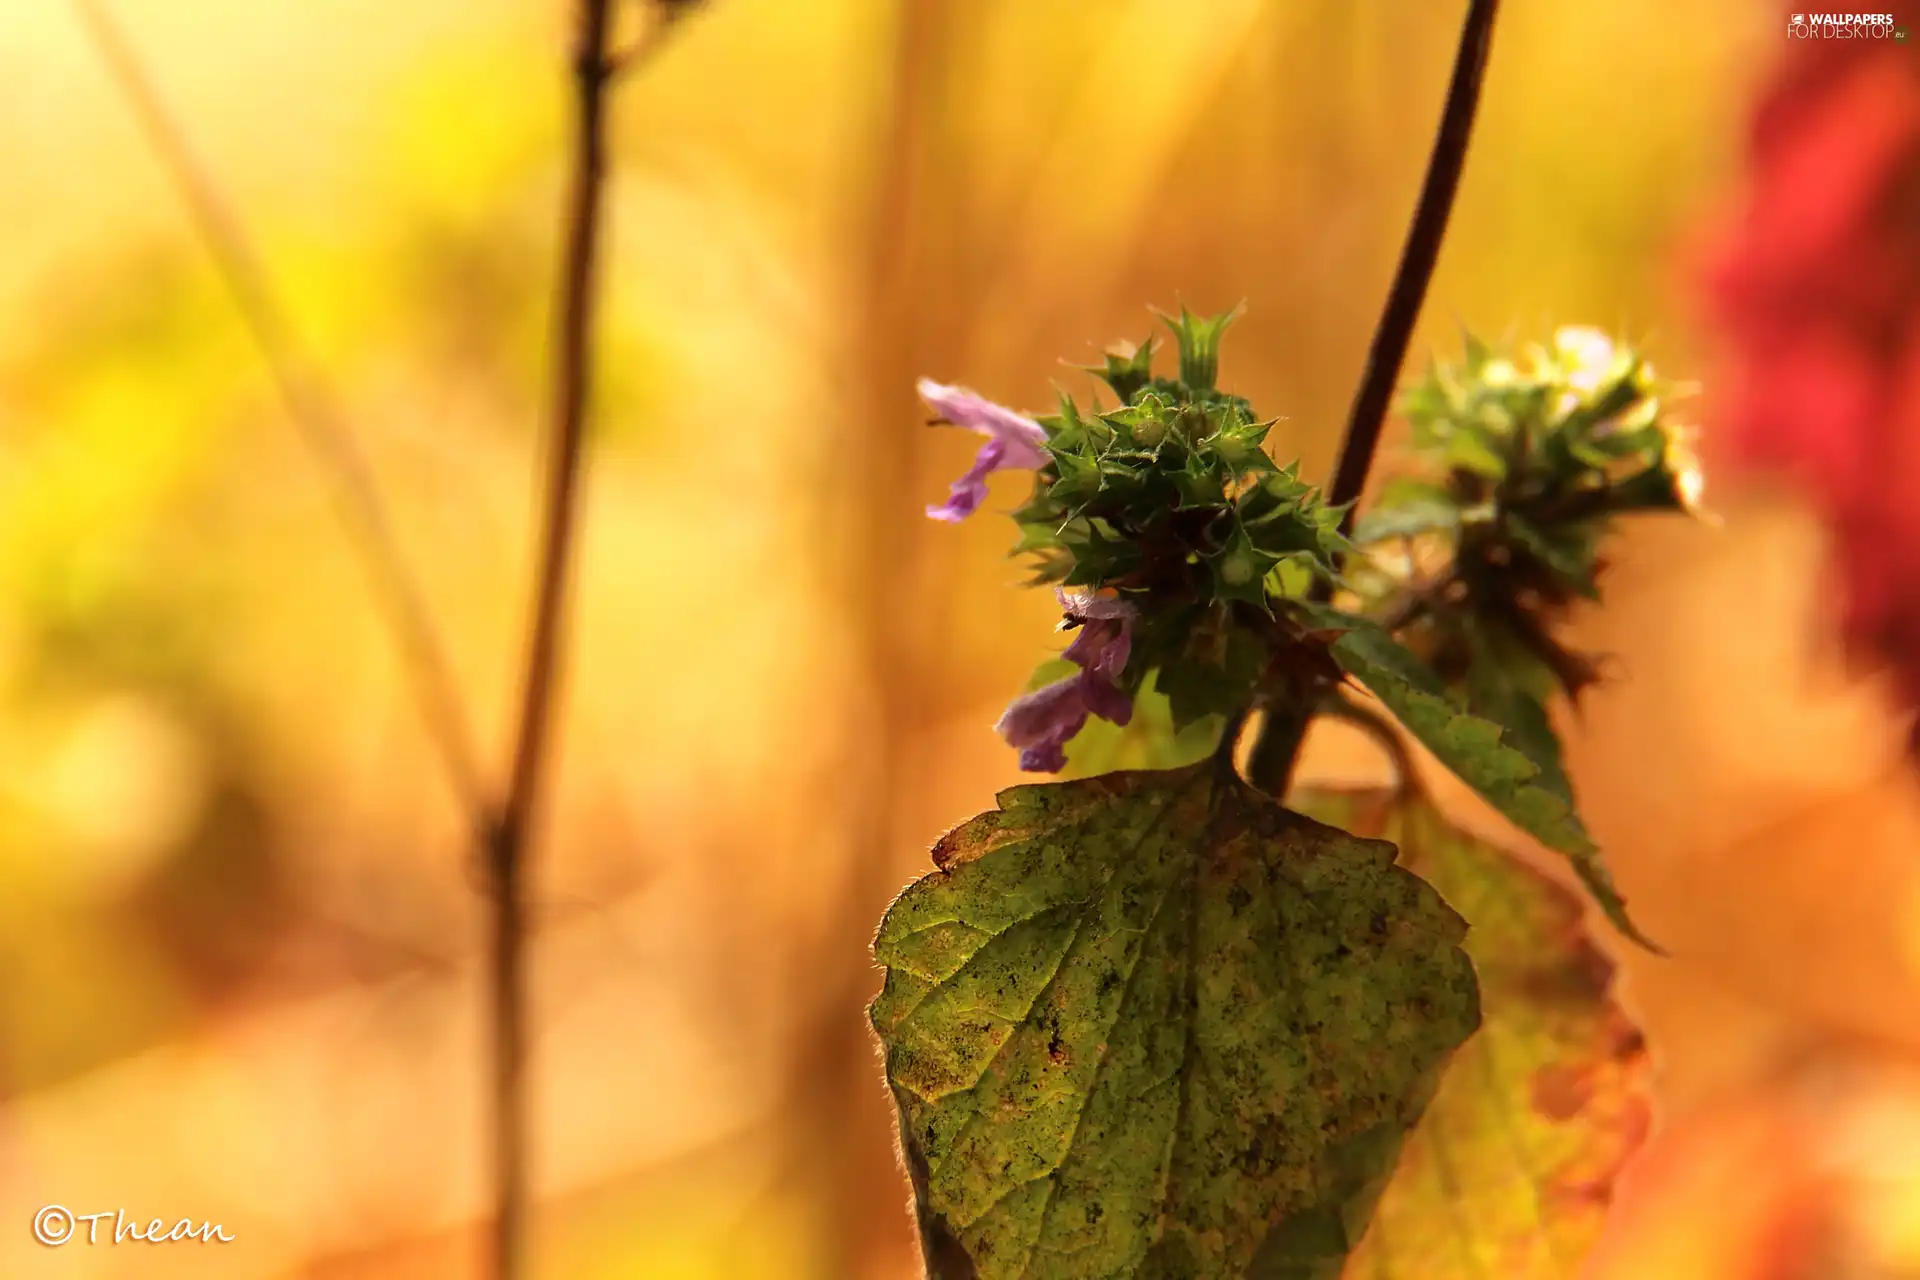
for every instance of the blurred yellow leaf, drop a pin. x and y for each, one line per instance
(1511, 1171)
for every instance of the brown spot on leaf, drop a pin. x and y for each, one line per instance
(1625, 1041)
(1560, 1092)
(1581, 974)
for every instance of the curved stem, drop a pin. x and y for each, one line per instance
(1385, 735)
(1282, 730)
(1223, 750)
(1278, 746)
(1417, 260)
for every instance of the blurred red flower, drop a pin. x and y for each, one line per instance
(1817, 290)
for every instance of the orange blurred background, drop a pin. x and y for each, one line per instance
(239, 928)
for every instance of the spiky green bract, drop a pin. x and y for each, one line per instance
(1528, 457)
(1199, 342)
(1154, 1025)
(1497, 762)
(1174, 494)
(1583, 418)
(1172, 501)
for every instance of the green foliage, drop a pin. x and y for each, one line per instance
(1172, 502)
(1511, 1169)
(1532, 793)
(1584, 416)
(1152, 1024)
(1173, 493)
(1526, 458)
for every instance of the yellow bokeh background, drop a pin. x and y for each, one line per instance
(240, 930)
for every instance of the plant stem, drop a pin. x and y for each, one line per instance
(592, 70)
(1229, 744)
(1282, 730)
(1283, 727)
(1417, 259)
(1384, 734)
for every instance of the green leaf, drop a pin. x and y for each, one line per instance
(1479, 752)
(1494, 696)
(1199, 486)
(1661, 487)
(1510, 1171)
(1079, 477)
(1150, 740)
(1036, 537)
(1296, 574)
(1206, 663)
(1152, 1024)
(1471, 449)
(1198, 690)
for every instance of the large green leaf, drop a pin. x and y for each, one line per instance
(1531, 793)
(1510, 1171)
(1154, 1025)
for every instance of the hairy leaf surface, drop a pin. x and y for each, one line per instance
(1154, 1025)
(1511, 1170)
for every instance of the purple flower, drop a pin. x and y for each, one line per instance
(1041, 723)
(1013, 440)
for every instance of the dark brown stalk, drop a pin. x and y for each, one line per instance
(1278, 745)
(506, 847)
(503, 828)
(1418, 258)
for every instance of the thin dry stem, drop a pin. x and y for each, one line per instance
(593, 71)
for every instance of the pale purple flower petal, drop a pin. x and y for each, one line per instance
(1041, 723)
(1103, 698)
(1106, 633)
(1083, 608)
(1101, 649)
(1025, 440)
(966, 494)
(1014, 441)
